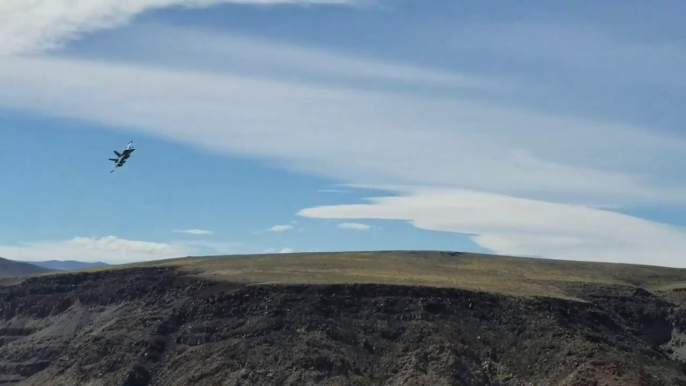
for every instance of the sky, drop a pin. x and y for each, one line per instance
(542, 129)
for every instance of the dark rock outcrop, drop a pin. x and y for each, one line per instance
(158, 326)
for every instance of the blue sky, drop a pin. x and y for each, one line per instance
(552, 130)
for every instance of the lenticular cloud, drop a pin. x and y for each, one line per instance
(515, 226)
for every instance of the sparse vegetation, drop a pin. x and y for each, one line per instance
(481, 272)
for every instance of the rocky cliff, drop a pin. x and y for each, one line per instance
(164, 326)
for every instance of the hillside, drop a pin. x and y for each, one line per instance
(393, 318)
(67, 265)
(499, 274)
(11, 268)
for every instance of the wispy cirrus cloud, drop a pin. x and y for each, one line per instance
(309, 128)
(354, 226)
(281, 228)
(172, 47)
(194, 231)
(332, 191)
(585, 48)
(484, 154)
(43, 25)
(319, 129)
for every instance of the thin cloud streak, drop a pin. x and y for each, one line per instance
(354, 226)
(195, 231)
(587, 48)
(281, 228)
(46, 25)
(174, 47)
(332, 191)
(320, 129)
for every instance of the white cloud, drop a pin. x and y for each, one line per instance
(354, 226)
(171, 46)
(113, 250)
(332, 191)
(38, 25)
(515, 226)
(281, 228)
(108, 249)
(286, 250)
(194, 231)
(395, 140)
(587, 48)
(456, 143)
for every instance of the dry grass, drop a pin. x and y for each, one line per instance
(507, 275)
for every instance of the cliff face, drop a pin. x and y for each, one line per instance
(160, 326)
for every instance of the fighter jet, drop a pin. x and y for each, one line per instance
(122, 157)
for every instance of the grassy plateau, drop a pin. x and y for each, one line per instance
(499, 274)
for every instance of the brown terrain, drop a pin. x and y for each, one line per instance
(381, 318)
